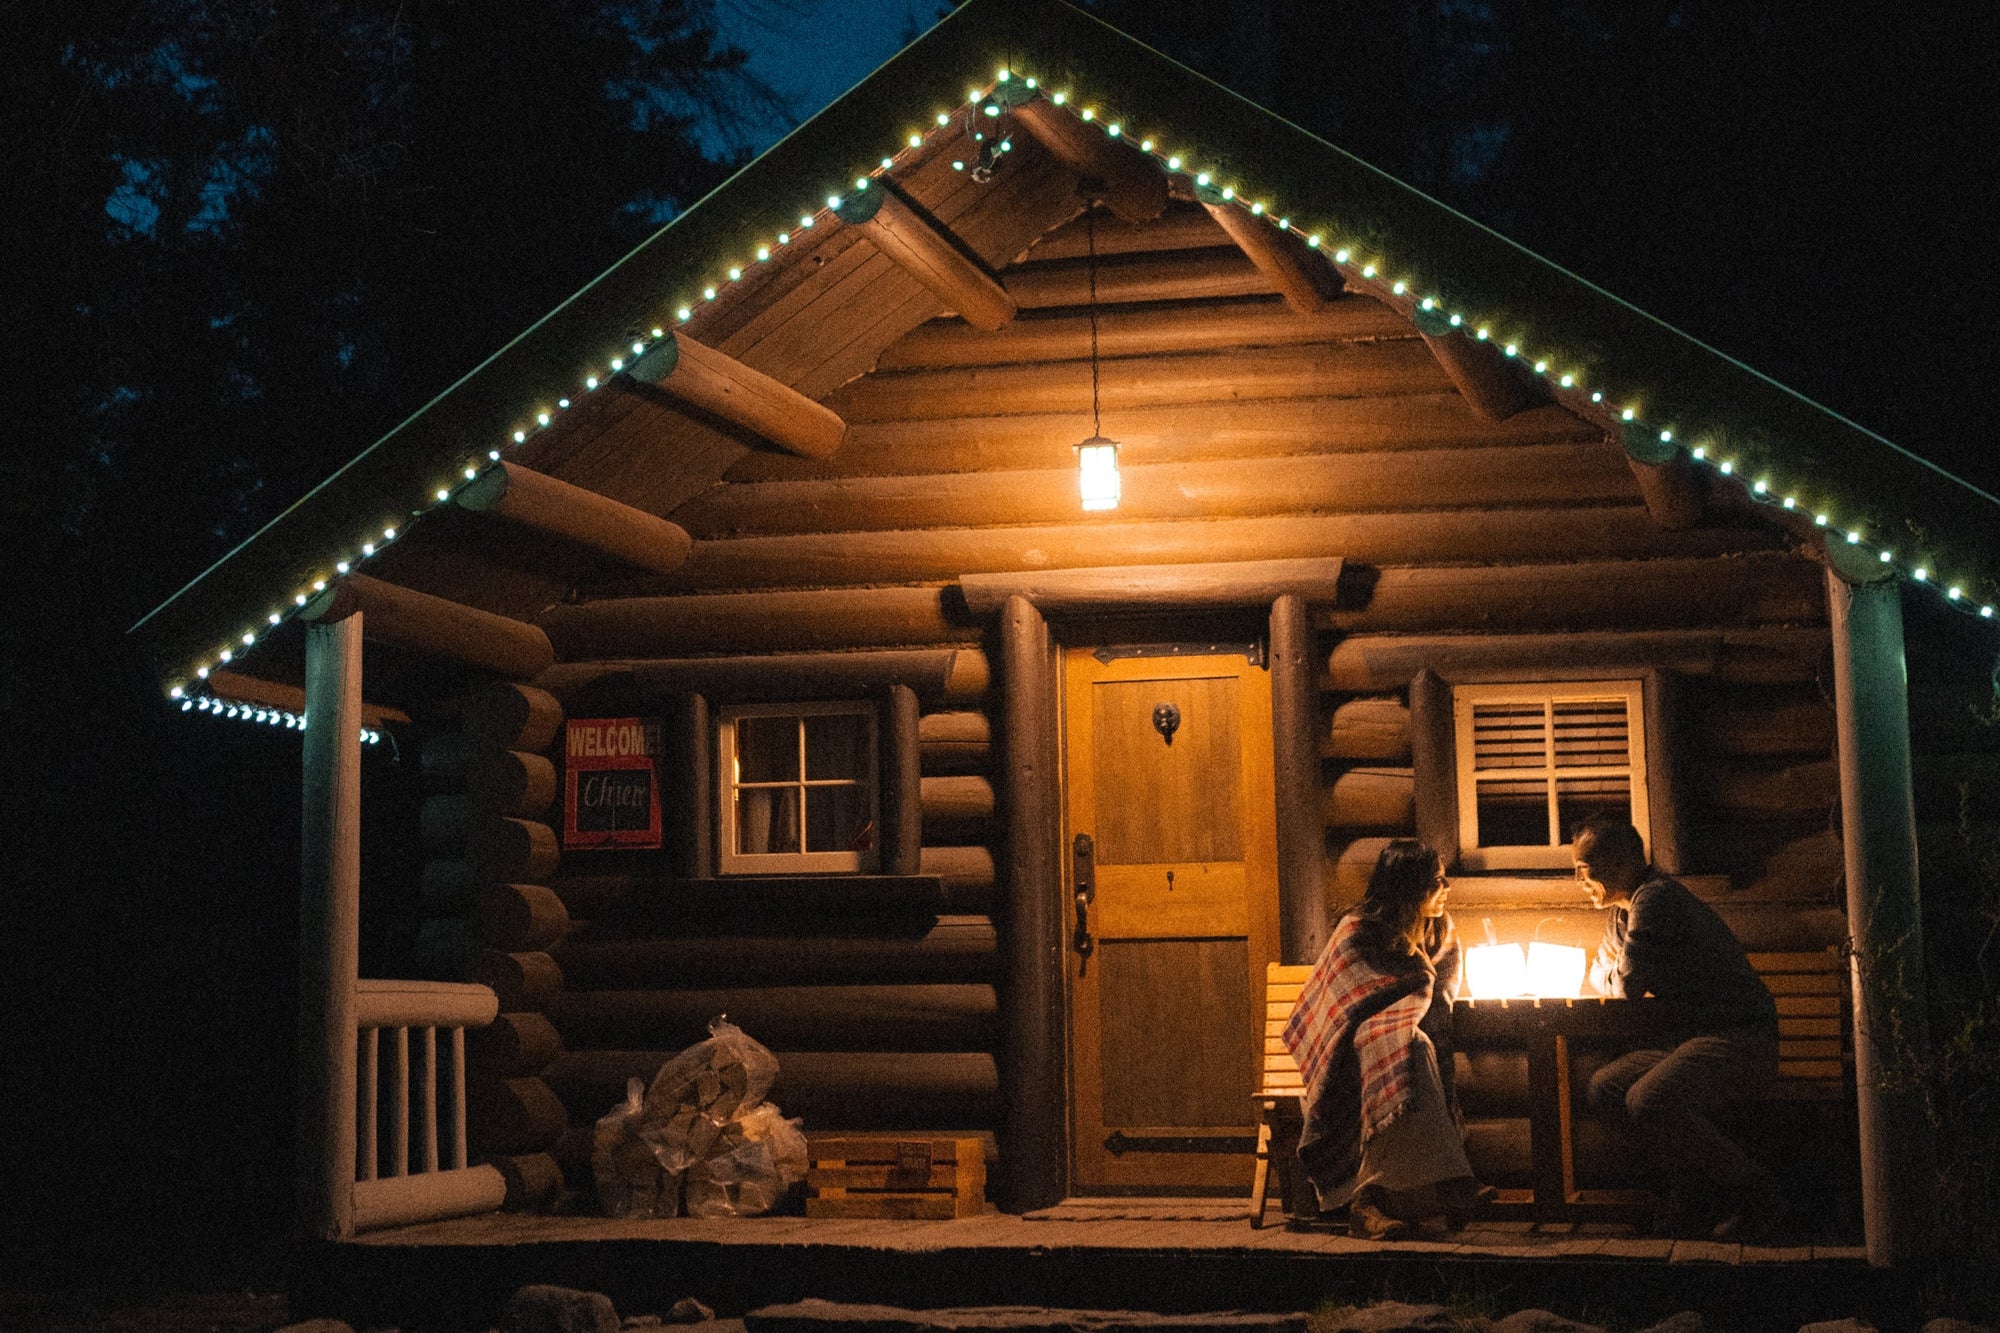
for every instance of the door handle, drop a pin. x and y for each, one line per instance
(1084, 876)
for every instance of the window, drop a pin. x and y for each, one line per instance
(798, 788)
(1534, 759)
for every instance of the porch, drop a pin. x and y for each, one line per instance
(1166, 1255)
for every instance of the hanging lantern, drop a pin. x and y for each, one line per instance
(1097, 473)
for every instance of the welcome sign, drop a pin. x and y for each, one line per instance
(611, 785)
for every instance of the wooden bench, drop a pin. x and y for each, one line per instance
(1815, 1054)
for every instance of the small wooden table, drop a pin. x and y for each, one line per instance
(1544, 1029)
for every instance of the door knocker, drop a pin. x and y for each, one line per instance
(1166, 720)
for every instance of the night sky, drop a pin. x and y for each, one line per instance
(1812, 200)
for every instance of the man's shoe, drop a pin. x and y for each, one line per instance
(1756, 1215)
(1367, 1221)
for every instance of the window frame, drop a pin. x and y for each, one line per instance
(728, 860)
(1465, 697)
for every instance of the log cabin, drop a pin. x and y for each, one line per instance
(975, 591)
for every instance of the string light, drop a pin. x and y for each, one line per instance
(993, 105)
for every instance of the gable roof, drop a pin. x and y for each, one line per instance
(708, 268)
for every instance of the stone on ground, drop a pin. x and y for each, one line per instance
(1838, 1326)
(1386, 1317)
(1540, 1321)
(820, 1316)
(688, 1310)
(546, 1309)
(1947, 1325)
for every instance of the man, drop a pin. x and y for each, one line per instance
(1720, 1021)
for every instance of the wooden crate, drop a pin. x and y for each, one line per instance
(853, 1176)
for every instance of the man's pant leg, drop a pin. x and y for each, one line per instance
(1671, 1103)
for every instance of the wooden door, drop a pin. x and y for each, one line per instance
(1165, 1034)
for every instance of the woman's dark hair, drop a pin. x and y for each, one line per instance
(1406, 873)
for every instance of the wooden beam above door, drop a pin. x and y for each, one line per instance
(1123, 587)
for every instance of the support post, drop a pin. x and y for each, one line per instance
(1033, 1156)
(329, 928)
(1295, 750)
(1879, 830)
(902, 824)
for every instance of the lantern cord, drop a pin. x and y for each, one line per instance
(1090, 243)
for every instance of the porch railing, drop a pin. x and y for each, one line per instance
(410, 1158)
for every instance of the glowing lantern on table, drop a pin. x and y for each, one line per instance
(1555, 969)
(1495, 971)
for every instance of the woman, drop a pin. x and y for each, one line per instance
(1381, 1129)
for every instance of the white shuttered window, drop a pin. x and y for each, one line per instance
(1534, 759)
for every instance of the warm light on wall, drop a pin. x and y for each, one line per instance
(1495, 971)
(1097, 473)
(1555, 969)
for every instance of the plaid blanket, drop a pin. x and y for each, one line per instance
(1353, 1033)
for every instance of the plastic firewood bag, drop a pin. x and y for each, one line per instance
(716, 1078)
(631, 1180)
(759, 1157)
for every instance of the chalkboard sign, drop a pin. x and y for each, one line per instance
(611, 783)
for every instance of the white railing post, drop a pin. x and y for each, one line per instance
(329, 928)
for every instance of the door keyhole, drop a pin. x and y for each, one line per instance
(1170, 881)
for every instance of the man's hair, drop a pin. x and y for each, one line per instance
(1612, 833)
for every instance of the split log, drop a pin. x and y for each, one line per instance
(954, 806)
(1183, 226)
(534, 1180)
(1388, 367)
(1544, 474)
(1780, 727)
(757, 622)
(1186, 276)
(687, 820)
(1347, 879)
(513, 717)
(519, 916)
(434, 626)
(495, 848)
(1225, 429)
(1433, 741)
(955, 742)
(507, 782)
(936, 674)
(523, 981)
(855, 1090)
(724, 387)
(1135, 188)
(1375, 798)
(1254, 321)
(797, 1018)
(1608, 531)
(1304, 279)
(944, 950)
(631, 536)
(258, 693)
(966, 875)
(1796, 790)
(776, 904)
(513, 1115)
(1218, 584)
(512, 1046)
(1770, 588)
(1370, 728)
(901, 774)
(1369, 662)
(924, 249)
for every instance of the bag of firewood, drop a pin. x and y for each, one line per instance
(758, 1158)
(631, 1179)
(699, 1092)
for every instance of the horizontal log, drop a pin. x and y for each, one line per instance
(507, 782)
(966, 874)
(1134, 188)
(1763, 792)
(1211, 585)
(1675, 491)
(1607, 531)
(922, 247)
(777, 904)
(1257, 321)
(285, 697)
(758, 622)
(1373, 662)
(941, 951)
(512, 1115)
(1347, 878)
(854, 1090)
(524, 980)
(1183, 226)
(1771, 588)
(402, 1004)
(495, 848)
(795, 1018)
(519, 917)
(937, 675)
(1184, 275)
(1786, 726)
(722, 386)
(1354, 369)
(1223, 429)
(1371, 798)
(447, 888)
(428, 1196)
(534, 1180)
(434, 626)
(1304, 278)
(1369, 728)
(954, 805)
(513, 717)
(545, 504)
(515, 1045)
(958, 742)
